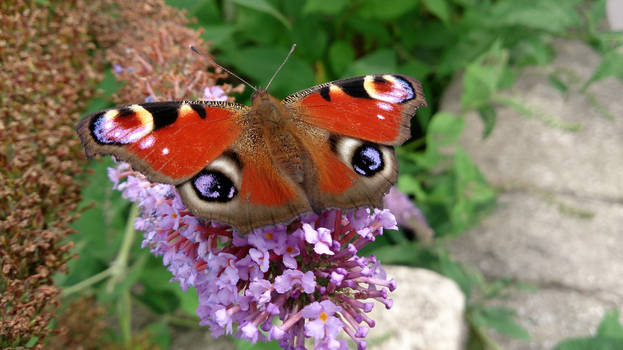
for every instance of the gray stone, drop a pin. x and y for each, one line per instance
(551, 314)
(559, 221)
(427, 313)
(524, 151)
(534, 239)
(614, 12)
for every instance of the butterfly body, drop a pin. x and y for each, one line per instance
(329, 146)
(279, 128)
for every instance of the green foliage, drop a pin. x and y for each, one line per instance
(457, 195)
(483, 41)
(245, 345)
(112, 265)
(611, 65)
(609, 336)
(500, 319)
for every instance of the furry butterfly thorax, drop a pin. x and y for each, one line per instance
(329, 146)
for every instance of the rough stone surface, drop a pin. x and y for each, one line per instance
(427, 313)
(559, 222)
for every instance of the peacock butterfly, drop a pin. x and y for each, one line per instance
(329, 146)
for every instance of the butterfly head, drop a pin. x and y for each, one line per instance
(267, 107)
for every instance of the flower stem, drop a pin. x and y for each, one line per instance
(192, 323)
(119, 269)
(124, 312)
(87, 282)
(119, 265)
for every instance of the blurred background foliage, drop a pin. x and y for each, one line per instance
(484, 43)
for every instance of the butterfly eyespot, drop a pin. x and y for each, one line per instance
(367, 160)
(214, 186)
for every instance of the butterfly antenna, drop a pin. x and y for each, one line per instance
(281, 66)
(221, 67)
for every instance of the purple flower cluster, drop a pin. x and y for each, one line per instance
(285, 282)
(407, 214)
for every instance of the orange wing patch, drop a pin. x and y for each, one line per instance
(262, 184)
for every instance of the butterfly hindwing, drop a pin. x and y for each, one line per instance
(348, 172)
(168, 142)
(259, 193)
(375, 108)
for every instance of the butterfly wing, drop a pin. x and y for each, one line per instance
(375, 108)
(348, 128)
(260, 192)
(169, 142)
(219, 164)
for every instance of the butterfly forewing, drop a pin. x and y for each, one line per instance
(168, 142)
(376, 108)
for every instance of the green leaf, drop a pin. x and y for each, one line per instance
(241, 344)
(456, 272)
(408, 183)
(315, 41)
(557, 83)
(189, 5)
(396, 254)
(217, 34)
(470, 181)
(381, 61)
(609, 336)
(610, 325)
(611, 65)
(464, 50)
(444, 129)
(590, 344)
(499, 318)
(376, 35)
(467, 3)
(265, 7)
(160, 334)
(532, 50)
(385, 10)
(258, 28)
(332, 7)
(341, 56)
(484, 77)
(547, 15)
(461, 214)
(260, 63)
(189, 299)
(488, 116)
(416, 69)
(155, 275)
(207, 12)
(109, 85)
(595, 14)
(439, 8)
(159, 301)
